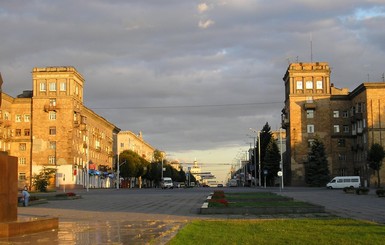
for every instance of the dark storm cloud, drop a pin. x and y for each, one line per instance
(192, 75)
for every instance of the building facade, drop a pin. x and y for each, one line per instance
(347, 123)
(128, 140)
(49, 127)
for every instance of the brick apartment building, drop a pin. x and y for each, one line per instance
(50, 127)
(128, 140)
(348, 123)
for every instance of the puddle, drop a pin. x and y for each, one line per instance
(101, 232)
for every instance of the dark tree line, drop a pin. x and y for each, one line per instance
(132, 165)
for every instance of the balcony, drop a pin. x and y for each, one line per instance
(310, 105)
(48, 108)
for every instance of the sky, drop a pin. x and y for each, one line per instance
(192, 76)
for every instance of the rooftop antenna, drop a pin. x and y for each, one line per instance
(383, 77)
(311, 47)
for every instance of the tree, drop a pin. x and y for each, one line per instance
(375, 156)
(41, 180)
(272, 160)
(158, 156)
(316, 168)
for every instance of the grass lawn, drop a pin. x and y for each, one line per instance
(281, 231)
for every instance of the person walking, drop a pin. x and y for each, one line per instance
(25, 195)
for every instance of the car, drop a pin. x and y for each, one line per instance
(220, 185)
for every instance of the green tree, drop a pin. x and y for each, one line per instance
(271, 161)
(375, 156)
(316, 168)
(158, 155)
(41, 180)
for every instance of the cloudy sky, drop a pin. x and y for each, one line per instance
(193, 76)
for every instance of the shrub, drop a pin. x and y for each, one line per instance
(349, 189)
(380, 192)
(362, 191)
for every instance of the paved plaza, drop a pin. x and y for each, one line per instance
(137, 216)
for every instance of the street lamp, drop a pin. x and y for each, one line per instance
(259, 155)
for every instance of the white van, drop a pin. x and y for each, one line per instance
(344, 181)
(166, 183)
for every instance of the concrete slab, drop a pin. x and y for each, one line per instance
(27, 225)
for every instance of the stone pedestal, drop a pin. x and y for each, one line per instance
(10, 224)
(8, 187)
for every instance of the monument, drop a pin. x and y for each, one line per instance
(10, 223)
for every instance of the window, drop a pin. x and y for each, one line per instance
(309, 99)
(27, 118)
(22, 146)
(346, 128)
(336, 114)
(336, 128)
(52, 115)
(342, 157)
(309, 84)
(76, 90)
(6, 115)
(299, 85)
(52, 130)
(310, 128)
(341, 142)
(345, 114)
(52, 86)
(359, 108)
(51, 160)
(18, 118)
(309, 113)
(18, 132)
(121, 144)
(22, 161)
(310, 143)
(52, 145)
(63, 86)
(52, 102)
(22, 176)
(27, 132)
(43, 86)
(319, 84)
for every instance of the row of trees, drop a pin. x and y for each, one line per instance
(316, 167)
(132, 165)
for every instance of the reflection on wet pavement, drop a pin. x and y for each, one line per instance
(101, 232)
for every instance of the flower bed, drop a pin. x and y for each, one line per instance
(218, 203)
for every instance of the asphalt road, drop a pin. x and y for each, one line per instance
(135, 216)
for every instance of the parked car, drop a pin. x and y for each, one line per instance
(233, 183)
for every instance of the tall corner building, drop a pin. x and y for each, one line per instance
(347, 123)
(49, 127)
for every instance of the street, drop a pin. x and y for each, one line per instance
(136, 216)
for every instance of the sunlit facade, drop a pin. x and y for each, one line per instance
(347, 123)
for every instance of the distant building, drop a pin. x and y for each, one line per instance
(347, 123)
(50, 127)
(128, 140)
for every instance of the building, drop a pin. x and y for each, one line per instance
(49, 127)
(128, 140)
(347, 123)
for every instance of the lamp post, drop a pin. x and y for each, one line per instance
(259, 155)
(281, 163)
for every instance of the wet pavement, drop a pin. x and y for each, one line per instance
(153, 216)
